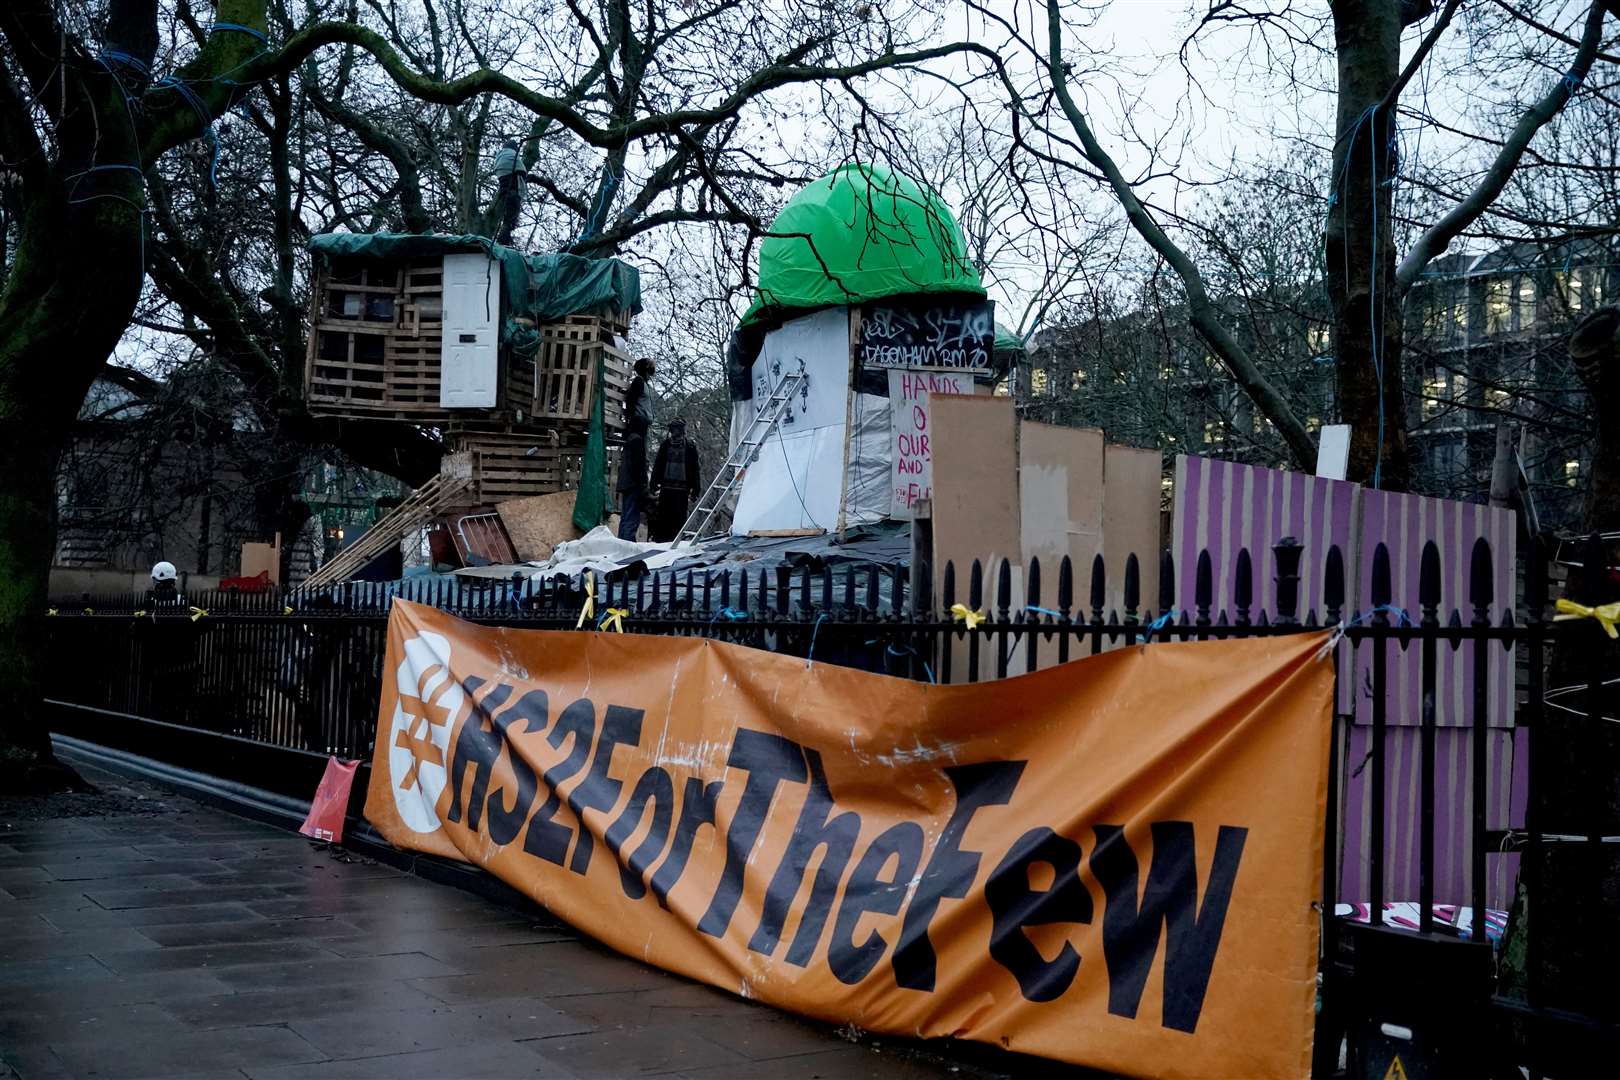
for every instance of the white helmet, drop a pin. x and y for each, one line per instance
(164, 571)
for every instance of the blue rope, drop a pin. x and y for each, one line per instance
(905, 650)
(1373, 328)
(1156, 625)
(1401, 618)
(201, 108)
(119, 56)
(1044, 611)
(591, 222)
(811, 652)
(240, 29)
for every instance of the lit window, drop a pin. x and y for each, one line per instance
(1077, 381)
(1459, 316)
(1572, 473)
(1459, 387)
(1213, 432)
(1527, 303)
(1434, 392)
(1594, 288)
(1037, 381)
(1497, 396)
(1313, 423)
(1317, 338)
(1498, 312)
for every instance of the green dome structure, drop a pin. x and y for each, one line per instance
(861, 233)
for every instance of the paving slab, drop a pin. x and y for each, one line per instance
(182, 943)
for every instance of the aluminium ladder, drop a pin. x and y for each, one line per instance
(731, 473)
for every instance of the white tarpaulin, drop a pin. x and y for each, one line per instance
(796, 483)
(597, 550)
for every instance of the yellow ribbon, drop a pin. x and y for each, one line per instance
(50, 611)
(613, 619)
(286, 611)
(587, 610)
(197, 613)
(138, 614)
(1606, 614)
(89, 611)
(964, 614)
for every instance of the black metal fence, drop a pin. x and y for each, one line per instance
(304, 672)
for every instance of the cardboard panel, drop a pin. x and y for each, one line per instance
(1060, 493)
(539, 523)
(1131, 486)
(975, 503)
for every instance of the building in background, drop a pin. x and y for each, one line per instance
(1486, 342)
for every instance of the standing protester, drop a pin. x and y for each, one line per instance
(511, 178)
(674, 475)
(632, 486)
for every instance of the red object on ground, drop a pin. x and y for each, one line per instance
(331, 805)
(259, 582)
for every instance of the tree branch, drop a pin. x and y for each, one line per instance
(1202, 313)
(1440, 235)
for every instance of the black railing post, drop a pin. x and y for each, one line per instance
(946, 637)
(1003, 620)
(1065, 603)
(1429, 599)
(1286, 553)
(1480, 595)
(1032, 617)
(1243, 587)
(1380, 596)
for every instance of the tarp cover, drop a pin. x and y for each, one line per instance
(861, 233)
(541, 288)
(1008, 343)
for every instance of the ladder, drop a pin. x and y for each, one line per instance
(730, 475)
(424, 504)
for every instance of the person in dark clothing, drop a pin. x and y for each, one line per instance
(674, 475)
(637, 403)
(632, 486)
(511, 178)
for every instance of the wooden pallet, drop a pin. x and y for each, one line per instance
(374, 343)
(376, 333)
(564, 372)
(514, 465)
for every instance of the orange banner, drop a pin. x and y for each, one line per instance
(1111, 862)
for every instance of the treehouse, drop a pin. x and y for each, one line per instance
(506, 353)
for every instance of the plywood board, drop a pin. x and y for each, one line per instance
(539, 523)
(1060, 493)
(1132, 482)
(975, 500)
(911, 464)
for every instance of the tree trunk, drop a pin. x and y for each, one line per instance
(1575, 756)
(1360, 246)
(55, 335)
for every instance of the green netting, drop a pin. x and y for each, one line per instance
(591, 504)
(861, 233)
(537, 288)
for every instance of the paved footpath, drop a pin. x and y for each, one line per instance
(155, 937)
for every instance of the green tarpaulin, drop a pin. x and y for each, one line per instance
(861, 233)
(591, 503)
(538, 288)
(1008, 343)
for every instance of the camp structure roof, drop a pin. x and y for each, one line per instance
(542, 288)
(860, 233)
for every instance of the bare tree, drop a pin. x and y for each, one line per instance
(95, 97)
(1373, 255)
